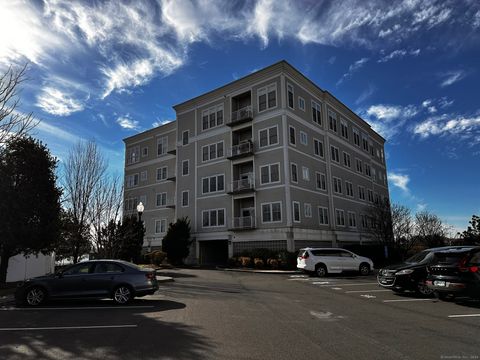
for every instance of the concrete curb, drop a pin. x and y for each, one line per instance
(285, 272)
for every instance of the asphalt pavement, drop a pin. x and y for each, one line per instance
(215, 314)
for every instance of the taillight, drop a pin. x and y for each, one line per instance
(462, 264)
(305, 256)
(473, 269)
(150, 276)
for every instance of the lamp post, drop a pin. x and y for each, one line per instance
(140, 209)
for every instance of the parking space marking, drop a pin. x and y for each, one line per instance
(368, 296)
(321, 283)
(76, 308)
(405, 300)
(364, 291)
(298, 279)
(336, 288)
(464, 315)
(69, 327)
(356, 284)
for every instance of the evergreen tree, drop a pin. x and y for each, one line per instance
(29, 200)
(177, 241)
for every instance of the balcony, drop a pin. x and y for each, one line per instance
(172, 152)
(241, 116)
(171, 203)
(245, 148)
(243, 223)
(243, 185)
(172, 178)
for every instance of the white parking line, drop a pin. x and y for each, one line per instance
(76, 308)
(364, 291)
(463, 315)
(356, 284)
(68, 327)
(404, 300)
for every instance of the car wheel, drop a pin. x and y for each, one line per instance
(122, 295)
(423, 289)
(364, 269)
(321, 270)
(398, 291)
(35, 296)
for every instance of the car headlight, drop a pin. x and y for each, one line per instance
(404, 272)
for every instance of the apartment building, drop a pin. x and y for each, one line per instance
(269, 160)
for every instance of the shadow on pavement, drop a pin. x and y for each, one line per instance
(152, 338)
(175, 274)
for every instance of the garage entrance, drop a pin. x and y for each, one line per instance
(213, 252)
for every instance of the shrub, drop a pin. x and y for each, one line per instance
(157, 257)
(259, 263)
(288, 260)
(272, 263)
(245, 261)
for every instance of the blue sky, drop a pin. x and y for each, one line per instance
(107, 70)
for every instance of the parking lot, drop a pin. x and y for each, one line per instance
(209, 314)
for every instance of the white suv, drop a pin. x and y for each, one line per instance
(323, 261)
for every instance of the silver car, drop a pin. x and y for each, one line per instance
(116, 279)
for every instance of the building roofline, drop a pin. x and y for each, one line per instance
(149, 130)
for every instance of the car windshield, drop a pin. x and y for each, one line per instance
(421, 256)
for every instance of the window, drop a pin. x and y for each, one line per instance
(318, 147)
(162, 173)
(131, 180)
(160, 226)
(316, 113)
(332, 121)
(321, 181)
(185, 137)
(294, 175)
(364, 221)
(340, 217)
(185, 167)
(145, 151)
(213, 183)
(337, 185)
(290, 95)
(79, 269)
(359, 165)
(268, 136)
(271, 212)
(344, 128)
(267, 97)
(292, 136)
(356, 137)
(346, 159)
(370, 195)
(143, 175)
(365, 143)
(303, 138)
(323, 215)
(185, 198)
(212, 117)
(349, 188)
(162, 144)
(374, 174)
(270, 174)
(130, 204)
(376, 198)
(212, 151)
(372, 149)
(161, 199)
(367, 170)
(335, 154)
(305, 173)
(361, 192)
(301, 103)
(143, 200)
(307, 208)
(352, 220)
(133, 155)
(213, 218)
(102, 268)
(296, 211)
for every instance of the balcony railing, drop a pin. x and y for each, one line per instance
(243, 185)
(245, 148)
(241, 115)
(243, 223)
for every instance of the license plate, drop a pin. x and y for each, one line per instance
(439, 283)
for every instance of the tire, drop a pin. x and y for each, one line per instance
(398, 291)
(444, 296)
(35, 296)
(364, 269)
(122, 295)
(321, 270)
(423, 290)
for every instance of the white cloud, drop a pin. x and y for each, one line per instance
(127, 122)
(396, 54)
(452, 77)
(399, 180)
(387, 120)
(365, 94)
(159, 122)
(57, 132)
(56, 102)
(352, 69)
(468, 128)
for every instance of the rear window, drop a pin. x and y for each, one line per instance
(417, 258)
(448, 258)
(325, 252)
(475, 260)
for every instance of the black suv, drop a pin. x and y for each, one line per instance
(412, 273)
(455, 274)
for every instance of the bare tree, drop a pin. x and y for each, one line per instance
(430, 229)
(84, 170)
(105, 207)
(380, 218)
(403, 228)
(13, 123)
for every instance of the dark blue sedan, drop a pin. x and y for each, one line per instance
(115, 279)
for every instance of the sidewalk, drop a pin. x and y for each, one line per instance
(284, 272)
(163, 279)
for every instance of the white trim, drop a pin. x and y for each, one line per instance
(306, 214)
(343, 217)
(304, 103)
(294, 136)
(323, 193)
(299, 212)
(306, 138)
(155, 226)
(293, 96)
(296, 173)
(270, 174)
(216, 151)
(211, 163)
(188, 167)
(216, 183)
(271, 212)
(267, 129)
(316, 183)
(188, 199)
(274, 84)
(323, 213)
(215, 226)
(188, 137)
(140, 141)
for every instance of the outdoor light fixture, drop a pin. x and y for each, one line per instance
(140, 209)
